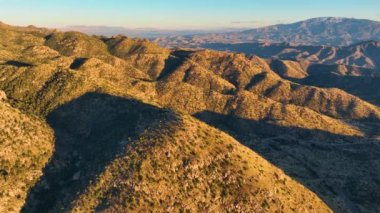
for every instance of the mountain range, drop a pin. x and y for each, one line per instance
(317, 31)
(149, 33)
(115, 124)
(364, 54)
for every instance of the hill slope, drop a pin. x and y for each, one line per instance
(26, 144)
(155, 159)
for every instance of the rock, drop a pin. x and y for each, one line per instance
(3, 96)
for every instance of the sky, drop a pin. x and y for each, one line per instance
(179, 14)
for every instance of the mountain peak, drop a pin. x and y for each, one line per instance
(331, 20)
(335, 20)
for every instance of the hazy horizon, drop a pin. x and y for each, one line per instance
(179, 15)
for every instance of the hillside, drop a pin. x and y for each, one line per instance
(26, 144)
(104, 99)
(155, 159)
(316, 31)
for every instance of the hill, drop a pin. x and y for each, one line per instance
(139, 157)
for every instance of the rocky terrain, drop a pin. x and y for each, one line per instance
(139, 127)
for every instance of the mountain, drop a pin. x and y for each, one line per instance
(360, 82)
(364, 54)
(317, 31)
(137, 126)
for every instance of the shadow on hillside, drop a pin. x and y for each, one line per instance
(175, 60)
(364, 87)
(17, 64)
(90, 132)
(77, 63)
(335, 167)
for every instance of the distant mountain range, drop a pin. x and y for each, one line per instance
(149, 33)
(347, 41)
(316, 31)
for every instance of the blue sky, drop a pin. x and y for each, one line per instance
(179, 14)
